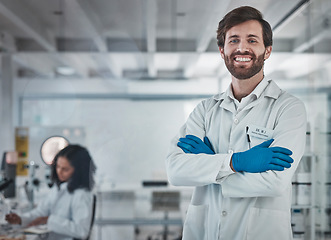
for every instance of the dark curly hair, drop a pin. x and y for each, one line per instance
(238, 16)
(80, 159)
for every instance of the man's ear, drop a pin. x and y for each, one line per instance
(267, 52)
(221, 51)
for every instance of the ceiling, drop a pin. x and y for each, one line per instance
(153, 39)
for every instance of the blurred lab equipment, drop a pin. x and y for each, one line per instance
(8, 172)
(51, 146)
(22, 149)
(32, 183)
(165, 201)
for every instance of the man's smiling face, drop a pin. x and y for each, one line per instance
(244, 51)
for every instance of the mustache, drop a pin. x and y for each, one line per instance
(243, 53)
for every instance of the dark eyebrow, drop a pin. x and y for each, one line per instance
(234, 36)
(252, 35)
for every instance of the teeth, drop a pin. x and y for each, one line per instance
(242, 59)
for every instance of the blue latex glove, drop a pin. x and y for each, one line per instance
(261, 158)
(193, 144)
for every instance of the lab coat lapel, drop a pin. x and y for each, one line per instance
(226, 102)
(59, 194)
(272, 90)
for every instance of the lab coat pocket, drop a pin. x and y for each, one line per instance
(256, 141)
(196, 223)
(268, 224)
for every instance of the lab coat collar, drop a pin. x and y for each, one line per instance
(271, 90)
(226, 101)
(63, 186)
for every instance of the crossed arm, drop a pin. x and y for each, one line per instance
(267, 168)
(260, 158)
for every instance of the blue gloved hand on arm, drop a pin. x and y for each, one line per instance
(193, 144)
(262, 158)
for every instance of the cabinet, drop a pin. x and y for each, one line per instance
(303, 196)
(323, 185)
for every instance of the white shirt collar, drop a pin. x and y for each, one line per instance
(255, 94)
(271, 90)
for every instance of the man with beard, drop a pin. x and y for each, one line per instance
(253, 139)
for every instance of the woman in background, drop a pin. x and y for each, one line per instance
(67, 209)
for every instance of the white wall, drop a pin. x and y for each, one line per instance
(127, 139)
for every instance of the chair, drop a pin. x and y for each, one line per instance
(92, 219)
(165, 201)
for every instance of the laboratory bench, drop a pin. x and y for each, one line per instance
(15, 232)
(122, 212)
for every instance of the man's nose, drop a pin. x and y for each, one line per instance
(242, 46)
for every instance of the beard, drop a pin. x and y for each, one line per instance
(241, 72)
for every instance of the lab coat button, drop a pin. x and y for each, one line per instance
(236, 121)
(230, 151)
(224, 213)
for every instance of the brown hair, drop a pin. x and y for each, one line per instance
(80, 159)
(238, 16)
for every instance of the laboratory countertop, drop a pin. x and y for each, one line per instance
(14, 232)
(111, 187)
(139, 193)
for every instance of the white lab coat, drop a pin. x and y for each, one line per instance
(237, 206)
(69, 213)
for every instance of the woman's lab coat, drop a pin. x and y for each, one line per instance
(69, 213)
(237, 206)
